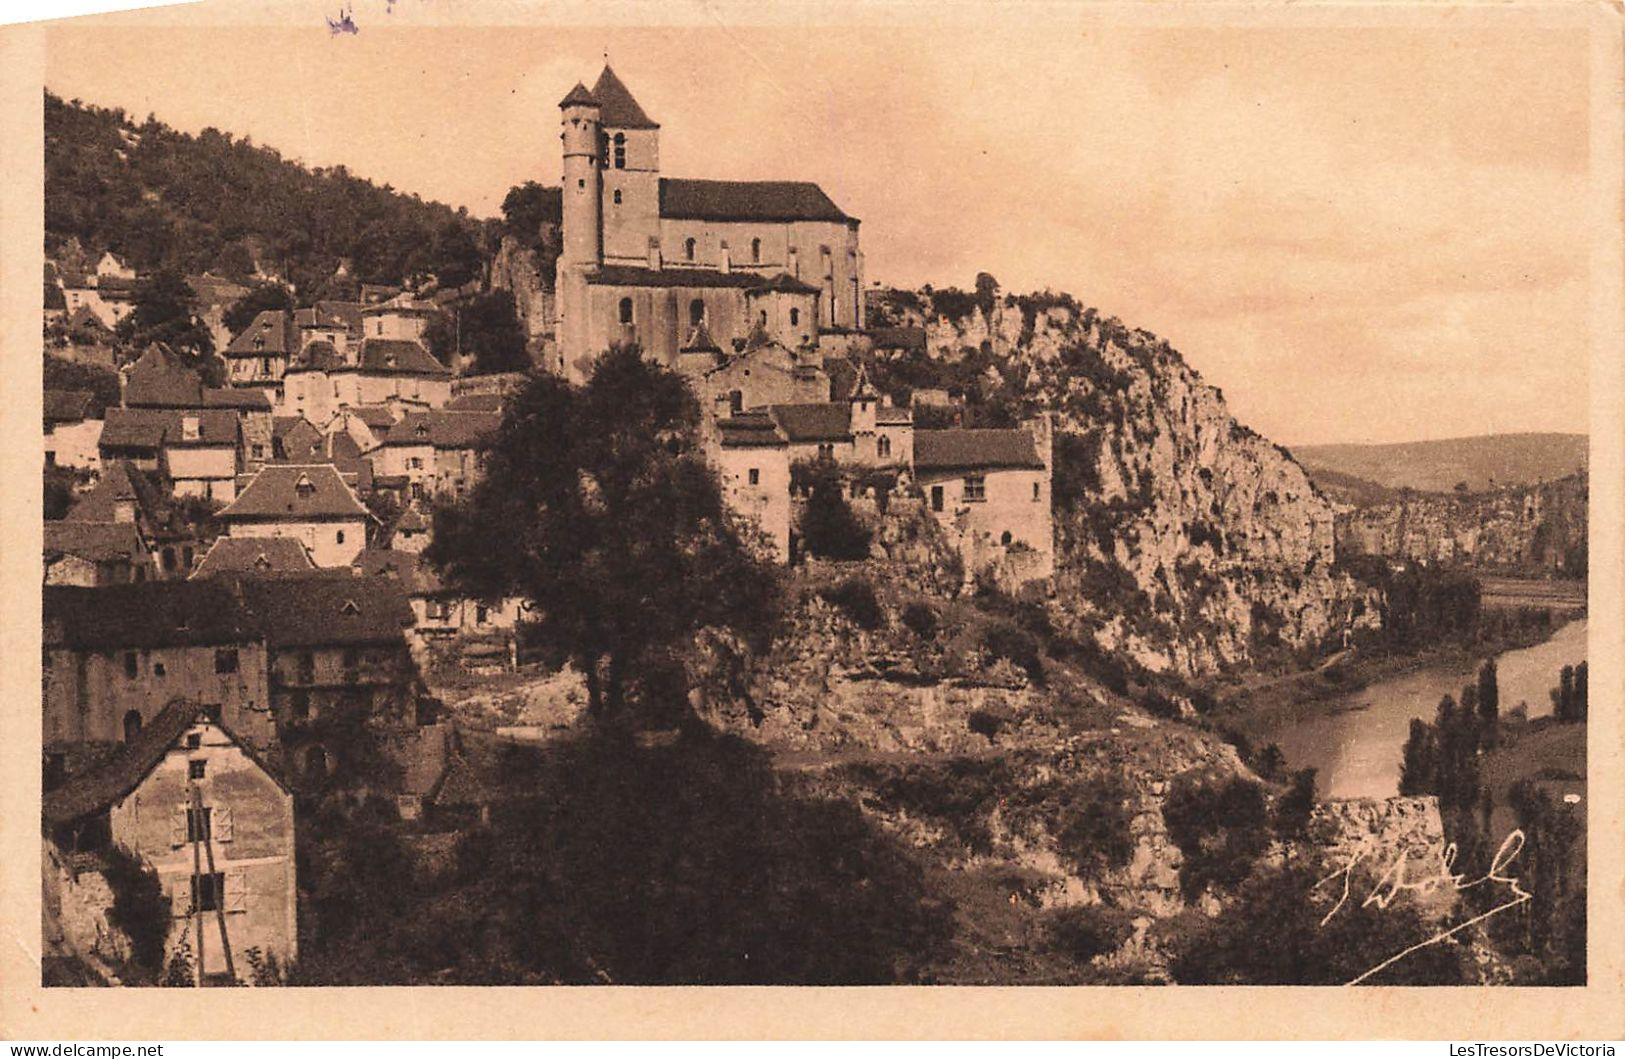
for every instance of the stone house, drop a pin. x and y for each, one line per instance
(294, 438)
(208, 815)
(124, 494)
(260, 354)
(758, 376)
(72, 432)
(991, 490)
(114, 656)
(310, 502)
(385, 370)
(753, 462)
(201, 453)
(437, 611)
(435, 453)
(90, 554)
(254, 418)
(254, 556)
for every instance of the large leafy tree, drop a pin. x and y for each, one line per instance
(487, 326)
(261, 298)
(165, 310)
(596, 505)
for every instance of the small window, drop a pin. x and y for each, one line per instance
(132, 724)
(158, 669)
(209, 891)
(975, 488)
(688, 249)
(736, 401)
(225, 660)
(1036, 490)
(198, 822)
(480, 614)
(196, 770)
(755, 476)
(626, 311)
(620, 152)
(826, 451)
(795, 317)
(581, 184)
(617, 196)
(1005, 538)
(194, 740)
(338, 537)
(132, 667)
(883, 446)
(936, 498)
(211, 712)
(756, 251)
(258, 451)
(696, 312)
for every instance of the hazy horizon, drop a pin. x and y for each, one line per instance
(1359, 235)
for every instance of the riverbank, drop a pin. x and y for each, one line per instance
(1260, 707)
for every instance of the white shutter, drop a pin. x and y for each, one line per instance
(236, 891)
(177, 829)
(180, 895)
(222, 823)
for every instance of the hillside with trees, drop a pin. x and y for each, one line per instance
(160, 198)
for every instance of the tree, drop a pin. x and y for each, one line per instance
(1489, 701)
(828, 527)
(529, 206)
(987, 292)
(165, 310)
(1418, 772)
(457, 256)
(265, 297)
(490, 329)
(597, 507)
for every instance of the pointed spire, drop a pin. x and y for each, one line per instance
(578, 97)
(620, 110)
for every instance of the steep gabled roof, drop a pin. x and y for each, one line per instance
(747, 200)
(254, 555)
(616, 107)
(247, 398)
(100, 542)
(159, 380)
(273, 328)
(398, 356)
(68, 406)
(378, 416)
(954, 450)
(295, 492)
(109, 783)
(814, 422)
(443, 429)
(137, 428)
(144, 615)
(578, 97)
(321, 610)
(330, 314)
(119, 483)
(750, 430)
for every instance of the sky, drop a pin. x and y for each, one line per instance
(1358, 233)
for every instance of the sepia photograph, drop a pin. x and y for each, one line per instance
(1023, 498)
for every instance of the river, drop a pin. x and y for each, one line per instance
(1356, 741)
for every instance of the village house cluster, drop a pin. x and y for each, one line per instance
(240, 573)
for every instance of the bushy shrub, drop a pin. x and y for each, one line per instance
(855, 597)
(987, 722)
(1086, 931)
(1003, 639)
(920, 619)
(829, 528)
(1220, 823)
(1093, 826)
(140, 908)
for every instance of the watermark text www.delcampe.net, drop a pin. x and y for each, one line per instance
(1531, 1051)
(90, 1051)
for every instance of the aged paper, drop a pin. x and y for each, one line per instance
(1365, 224)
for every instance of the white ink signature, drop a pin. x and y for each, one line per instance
(1395, 882)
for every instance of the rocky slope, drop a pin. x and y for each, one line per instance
(1184, 538)
(1536, 530)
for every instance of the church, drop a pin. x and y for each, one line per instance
(689, 270)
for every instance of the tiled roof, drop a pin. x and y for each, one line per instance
(891, 415)
(97, 541)
(159, 380)
(617, 108)
(319, 355)
(273, 326)
(216, 426)
(330, 314)
(119, 483)
(246, 398)
(946, 450)
(380, 416)
(750, 430)
(814, 422)
(747, 200)
(631, 276)
(108, 784)
(398, 356)
(295, 437)
(412, 521)
(295, 493)
(415, 577)
(213, 290)
(254, 555)
(787, 283)
(68, 406)
(578, 96)
(144, 615)
(319, 611)
(443, 429)
(475, 402)
(84, 316)
(140, 428)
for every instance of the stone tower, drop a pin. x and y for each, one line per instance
(583, 249)
(629, 155)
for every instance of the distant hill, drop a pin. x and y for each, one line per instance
(157, 197)
(1438, 466)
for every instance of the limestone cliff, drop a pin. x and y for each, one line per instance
(1533, 530)
(526, 269)
(1183, 537)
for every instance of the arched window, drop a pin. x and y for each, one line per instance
(1005, 538)
(688, 250)
(626, 310)
(884, 447)
(795, 317)
(132, 724)
(617, 196)
(620, 150)
(736, 401)
(756, 250)
(603, 150)
(696, 312)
